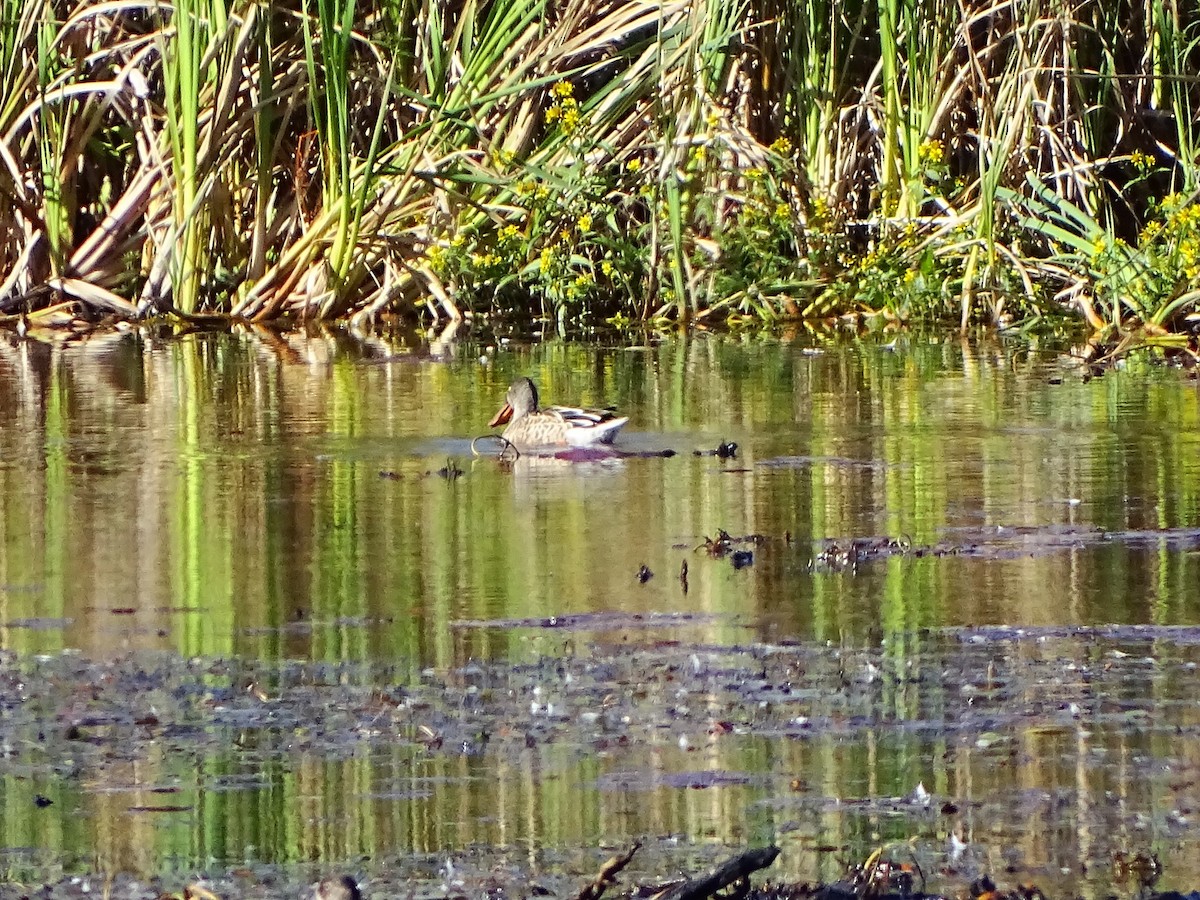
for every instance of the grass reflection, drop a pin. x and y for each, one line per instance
(275, 500)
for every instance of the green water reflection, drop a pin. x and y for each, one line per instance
(271, 497)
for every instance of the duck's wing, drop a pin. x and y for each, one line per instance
(579, 417)
(588, 427)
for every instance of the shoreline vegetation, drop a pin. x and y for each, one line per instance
(1001, 164)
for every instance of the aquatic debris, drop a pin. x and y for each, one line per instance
(255, 690)
(983, 888)
(195, 891)
(734, 872)
(718, 546)
(723, 450)
(598, 621)
(337, 888)
(881, 877)
(742, 558)
(877, 878)
(610, 699)
(449, 471)
(644, 574)
(723, 544)
(429, 738)
(608, 874)
(919, 796)
(999, 542)
(505, 450)
(1142, 867)
(683, 576)
(838, 557)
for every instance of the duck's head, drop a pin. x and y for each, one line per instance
(522, 400)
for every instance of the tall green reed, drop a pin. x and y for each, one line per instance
(769, 158)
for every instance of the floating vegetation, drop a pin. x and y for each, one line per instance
(977, 694)
(724, 543)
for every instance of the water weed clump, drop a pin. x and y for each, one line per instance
(748, 161)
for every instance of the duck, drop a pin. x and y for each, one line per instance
(530, 427)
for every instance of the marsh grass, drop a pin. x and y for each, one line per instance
(577, 159)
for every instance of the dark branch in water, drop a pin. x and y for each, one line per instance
(731, 872)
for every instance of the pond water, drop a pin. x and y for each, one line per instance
(265, 615)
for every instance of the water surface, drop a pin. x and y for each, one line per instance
(258, 523)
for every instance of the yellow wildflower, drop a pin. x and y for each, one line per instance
(781, 146)
(633, 165)
(607, 268)
(546, 260)
(562, 89)
(932, 152)
(585, 223)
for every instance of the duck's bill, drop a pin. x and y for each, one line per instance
(502, 417)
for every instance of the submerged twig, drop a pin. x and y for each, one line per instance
(505, 442)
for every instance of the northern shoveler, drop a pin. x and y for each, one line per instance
(555, 426)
